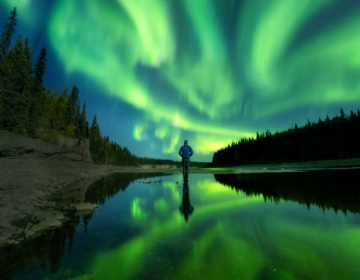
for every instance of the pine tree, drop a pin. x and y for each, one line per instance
(83, 122)
(73, 108)
(37, 95)
(77, 119)
(296, 129)
(16, 70)
(95, 140)
(18, 66)
(39, 70)
(342, 114)
(56, 110)
(9, 31)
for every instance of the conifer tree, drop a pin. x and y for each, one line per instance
(83, 122)
(296, 129)
(6, 36)
(95, 140)
(342, 114)
(9, 31)
(16, 70)
(37, 93)
(18, 66)
(77, 119)
(39, 70)
(73, 107)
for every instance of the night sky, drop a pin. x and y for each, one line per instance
(157, 72)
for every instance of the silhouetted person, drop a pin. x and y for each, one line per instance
(186, 208)
(186, 152)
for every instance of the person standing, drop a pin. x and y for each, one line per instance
(186, 152)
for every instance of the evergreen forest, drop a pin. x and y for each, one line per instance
(27, 108)
(336, 138)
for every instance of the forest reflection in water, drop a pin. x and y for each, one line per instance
(337, 189)
(248, 226)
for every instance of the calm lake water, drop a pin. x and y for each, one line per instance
(250, 226)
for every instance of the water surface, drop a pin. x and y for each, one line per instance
(263, 226)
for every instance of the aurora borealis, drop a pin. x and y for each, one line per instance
(161, 71)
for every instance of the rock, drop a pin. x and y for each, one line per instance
(48, 215)
(12, 242)
(49, 204)
(4, 224)
(85, 206)
(3, 238)
(45, 225)
(28, 233)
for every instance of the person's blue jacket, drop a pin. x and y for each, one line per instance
(186, 151)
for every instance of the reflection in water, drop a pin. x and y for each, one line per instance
(46, 251)
(232, 235)
(186, 208)
(108, 186)
(336, 189)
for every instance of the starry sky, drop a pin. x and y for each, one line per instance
(156, 72)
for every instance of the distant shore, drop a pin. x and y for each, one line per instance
(298, 166)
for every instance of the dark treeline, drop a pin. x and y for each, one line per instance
(27, 108)
(326, 189)
(336, 138)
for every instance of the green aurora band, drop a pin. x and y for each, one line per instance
(210, 70)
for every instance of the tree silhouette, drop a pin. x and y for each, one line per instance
(9, 31)
(337, 138)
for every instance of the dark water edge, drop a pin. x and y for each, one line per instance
(47, 249)
(337, 189)
(109, 186)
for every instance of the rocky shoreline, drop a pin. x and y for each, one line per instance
(33, 174)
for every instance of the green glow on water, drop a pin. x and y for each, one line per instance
(136, 209)
(220, 255)
(162, 206)
(327, 253)
(231, 245)
(221, 240)
(127, 259)
(141, 232)
(215, 199)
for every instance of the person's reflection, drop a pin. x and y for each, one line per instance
(186, 208)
